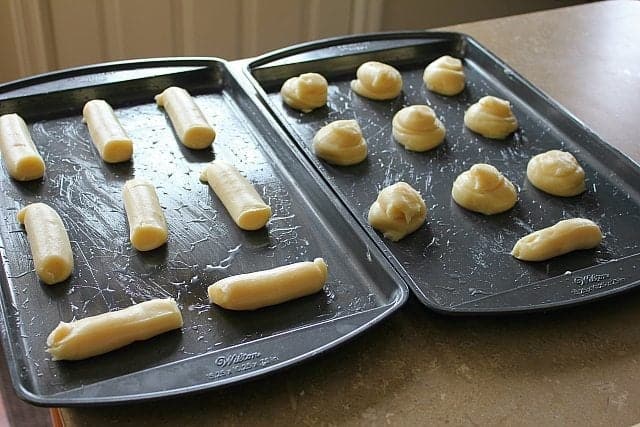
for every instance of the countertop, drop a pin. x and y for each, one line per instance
(576, 366)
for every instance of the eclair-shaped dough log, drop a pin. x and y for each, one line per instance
(251, 291)
(238, 196)
(105, 332)
(19, 153)
(566, 236)
(147, 224)
(49, 242)
(188, 121)
(108, 136)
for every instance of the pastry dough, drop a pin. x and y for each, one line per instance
(399, 210)
(340, 143)
(105, 332)
(564, 237)
(147, 224)
(491, 117)
(484, 189)
(445, 76)
(251, 291)
(306, 92)
(19, 153)
(238, 196)
(49, 242)
(188, 121)
(378, 81)
(417, 128)
(108, 136)
(556, 172)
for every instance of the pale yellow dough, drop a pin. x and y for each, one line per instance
(251, 291)
(445, 76)
(49, 242)
(107, 134)
(556, 172)
(565, 236)
(238, 196)
(19, 153)
(417, 128)
(188, 121)
(378, 81)
(306, 92)
(147, 224)
(105, 332)
(491, 117)
(484, 189)
(340, 143)
(398, 211)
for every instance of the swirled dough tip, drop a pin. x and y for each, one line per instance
(398, 211)
(565, 236)
(377, 81)
(484, 189)
(305, 92)
(491, 117)
(445, 76)
(417, 128)
(340, 143)
(556, 172)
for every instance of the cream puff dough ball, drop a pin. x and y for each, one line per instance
(445, 76)
(340, 143)
(378, 81)
(306, 92)
(399, 210)
(556, 172)
(491, 117)
(484, 189)
(417, 128)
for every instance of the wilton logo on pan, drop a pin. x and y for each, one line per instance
(232, 359)
(594, 282)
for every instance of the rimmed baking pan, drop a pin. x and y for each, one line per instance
(215, 347)
(459, 262)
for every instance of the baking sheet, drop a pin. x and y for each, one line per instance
(459, 261)
(215, 347)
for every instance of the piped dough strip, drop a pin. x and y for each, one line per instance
(49, 241)
(147, 224)
(105, 332)
(107, 134)
(238, 196)
(188, 121)
(19, 153)
(251, 291)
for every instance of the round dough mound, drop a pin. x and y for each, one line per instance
(491, 117)
(417, 128)
(399, 210)
(484, 189)
(445, 76)
(340, 143)
(378, 81)
(306, 92)
(556, 172)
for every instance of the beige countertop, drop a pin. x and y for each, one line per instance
(576, 366)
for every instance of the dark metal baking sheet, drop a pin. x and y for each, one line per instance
(459, 262)
(215, 347)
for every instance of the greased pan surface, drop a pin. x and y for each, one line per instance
(215, 347)
(459, 262)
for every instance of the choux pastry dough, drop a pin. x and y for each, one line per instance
(484, 189)
(563, 237)
(445, 76)
(491, 117)
(306, 92)
(340, 143)
(107, 134)
(19, 153)
(147, 224)
(556, 172)
(378, 81)
(417, 128)
(398, 211)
